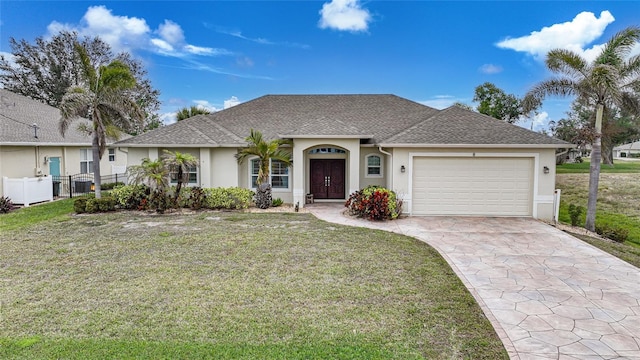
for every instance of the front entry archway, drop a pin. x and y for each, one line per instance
(327, 178)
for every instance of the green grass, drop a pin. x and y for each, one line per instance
(229, 285)
(617, 206)
(120, 349)
(24, 217)
(619, 166)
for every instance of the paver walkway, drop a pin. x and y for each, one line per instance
(547, 294)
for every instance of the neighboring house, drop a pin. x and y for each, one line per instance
(440, 162)
(31, 144)
(627, 150)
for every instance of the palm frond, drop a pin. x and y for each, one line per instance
(619, 46)
(566, 62)
(74, 105)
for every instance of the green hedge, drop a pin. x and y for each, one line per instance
(140, 197)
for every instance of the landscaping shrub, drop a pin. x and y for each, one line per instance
(228, 198)
(374, 203)
(80, 205)
(161, 200)
(6, 205)
(613, 232)
(277, 202)
(92, 205)
(197, 198)
(103, 204)
(575, 213)
(131, 197)
(111, 185)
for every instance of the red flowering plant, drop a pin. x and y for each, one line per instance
(374, 203)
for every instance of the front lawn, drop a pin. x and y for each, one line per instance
(618, 195)
(619, 166)
(229, 285)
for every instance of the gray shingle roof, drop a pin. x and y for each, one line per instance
(18, 114)
(382, 119)
(455, 125)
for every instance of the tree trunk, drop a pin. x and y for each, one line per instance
(97, 181)
(607, 152)
(594, 172)
(263, 196)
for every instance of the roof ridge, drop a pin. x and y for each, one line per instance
(420, 122)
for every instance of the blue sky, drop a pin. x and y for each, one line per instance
(217, 53)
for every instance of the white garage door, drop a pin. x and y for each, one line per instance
(472, 186)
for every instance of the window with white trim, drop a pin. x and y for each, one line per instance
(374, 166)
(86, 161)
(279, 177)
(112, 154)
(193, 175)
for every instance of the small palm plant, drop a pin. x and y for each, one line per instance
(265, 151)
(152, 173)
(180, 163)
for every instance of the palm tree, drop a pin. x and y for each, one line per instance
(105, 100)
(265, 151)
(186, 112)
(611, 80)
(152, 173)
(180, 162)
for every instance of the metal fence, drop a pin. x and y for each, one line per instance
(80, 184)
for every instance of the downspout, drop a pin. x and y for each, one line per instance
(36, 172)
(390, 164)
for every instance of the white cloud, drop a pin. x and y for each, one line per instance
(344, 15)
(572, 35)
(259, 40)
(441, 101)
(169, 118)
(490, 69)
(171, 32)
(162, 45)
(204, 104)
(124, 33)
(232, 101)
(206, 51)
(121, 32)
(539, 121)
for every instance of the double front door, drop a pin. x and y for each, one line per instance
(327, 178)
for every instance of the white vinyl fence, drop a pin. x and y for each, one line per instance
(27, 191)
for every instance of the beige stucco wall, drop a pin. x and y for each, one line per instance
(23, 161)
(373, 180)
(544, 184)
(223, 168)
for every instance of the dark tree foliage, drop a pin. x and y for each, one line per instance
(494, 102)
(188, 112)
(618, 127)
(45, 70)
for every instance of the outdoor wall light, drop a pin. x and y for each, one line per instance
(546, 169)
(402, 169)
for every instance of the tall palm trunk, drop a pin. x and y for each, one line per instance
(594, 172)
(97, 181)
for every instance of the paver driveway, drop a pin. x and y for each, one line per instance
(548, 294)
